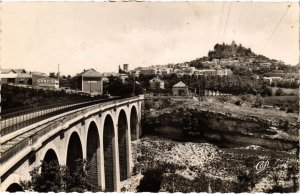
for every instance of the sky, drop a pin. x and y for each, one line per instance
(38, 36)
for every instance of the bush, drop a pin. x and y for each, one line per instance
(258, 101)
(290, 110)
(238, 103)
(267, 91)
(279, 92)
(56, 178)
(151, 181)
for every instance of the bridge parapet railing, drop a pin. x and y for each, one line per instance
(25, 118)
(31, 140)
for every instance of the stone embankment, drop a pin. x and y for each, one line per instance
(225, 124)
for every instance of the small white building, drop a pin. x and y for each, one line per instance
(180, 89)
(224, 72)
(272, 79)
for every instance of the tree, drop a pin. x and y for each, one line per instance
(151, 181)
(279, 92)
(49, 179)
(266, 90)
(258, 101)
(56, 178)
(52, 74)
(155, 86)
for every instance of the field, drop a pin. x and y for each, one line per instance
(288, 91)
(283, 102)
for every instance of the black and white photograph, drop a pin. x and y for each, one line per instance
(149, 96)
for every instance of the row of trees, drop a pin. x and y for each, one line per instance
(16, 97)
(227, 84)
(285, 84)
(117, 87)
(235, 84)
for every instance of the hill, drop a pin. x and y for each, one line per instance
(228, 54)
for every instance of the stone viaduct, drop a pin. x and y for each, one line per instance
(101, 134)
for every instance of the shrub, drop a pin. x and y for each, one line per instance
(290, 110)
(238, 103)
(151, 181)
(56, 178)
(279, 92)
(258, 101)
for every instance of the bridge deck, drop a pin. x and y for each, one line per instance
(18, 121)
(26, 137)
(17, 139)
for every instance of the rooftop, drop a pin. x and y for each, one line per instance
(89, 73)
(179, 85)
(5, 71)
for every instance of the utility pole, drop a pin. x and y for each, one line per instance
(0, 110)
(133, 85)
(58, 75)
(199, 93)
(90, 86)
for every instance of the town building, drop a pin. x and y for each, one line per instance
(206, 72)
(223, 72)
(47, 82)
(123, 77)
(125, 67)
(265, 65)
(272, 79)
(180, 89)
(148, 71)
(183, 65)
(8, 76)
(166, 71)
(15, 76)
(40, 79)
(89, 81)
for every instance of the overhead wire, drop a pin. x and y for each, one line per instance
(279, 22)
(228, 13)
(276, 27)
(267, 14)
(221, 19)
(239, 18)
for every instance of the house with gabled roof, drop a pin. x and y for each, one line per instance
(180, 89)
(89, 80)
(15, 76)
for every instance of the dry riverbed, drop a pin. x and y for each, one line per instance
(203, 167)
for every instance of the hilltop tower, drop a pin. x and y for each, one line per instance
(125, 67)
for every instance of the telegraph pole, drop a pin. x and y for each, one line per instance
(133, 85)
(58, 75)
(0, 110)
(199, 93)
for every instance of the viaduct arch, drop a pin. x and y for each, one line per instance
(134, 123)
(93, 156)
(109, 154)
(14, 187)
(74, 152)
(123, 145)
(101, 134)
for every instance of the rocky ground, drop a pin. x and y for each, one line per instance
(203, 167)
(262, 156)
